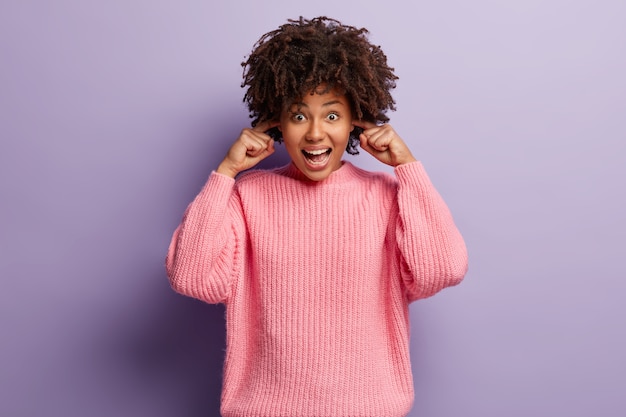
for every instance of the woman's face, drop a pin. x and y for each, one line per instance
(316, 131)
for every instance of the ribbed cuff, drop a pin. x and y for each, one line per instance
(412, 174)
(218, 187)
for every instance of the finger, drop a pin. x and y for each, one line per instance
(266, 148)
(380, 139)
(265, 126)
(256, 147)
(365, 145)
(251, 142)
(364, 124)
(254, 140)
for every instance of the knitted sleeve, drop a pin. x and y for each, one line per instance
(204, 253)
(433, 251)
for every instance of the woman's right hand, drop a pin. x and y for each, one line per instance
(251, 147)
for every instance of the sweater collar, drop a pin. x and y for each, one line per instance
(345, 173)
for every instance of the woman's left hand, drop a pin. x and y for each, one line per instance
(383, 143)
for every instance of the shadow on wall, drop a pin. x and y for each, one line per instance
(186, 345)
(171, 358)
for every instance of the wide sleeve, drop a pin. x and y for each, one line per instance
(432, 250)
(205, 251)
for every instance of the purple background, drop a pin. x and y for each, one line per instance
(113, 114)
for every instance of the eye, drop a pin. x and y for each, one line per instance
(297, 117)
(333, 117)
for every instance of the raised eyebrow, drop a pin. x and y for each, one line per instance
(330, 103)
(301, 104)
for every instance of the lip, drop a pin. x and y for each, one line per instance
(322, 154)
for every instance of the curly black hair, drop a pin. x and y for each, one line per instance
(299, 56)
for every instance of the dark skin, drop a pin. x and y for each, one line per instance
(253, 145)
(384, 144)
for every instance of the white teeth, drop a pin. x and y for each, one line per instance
(317, 151)
(317, 157)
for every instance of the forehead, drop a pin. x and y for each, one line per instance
(319, 98)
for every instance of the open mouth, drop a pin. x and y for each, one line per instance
(317, 156)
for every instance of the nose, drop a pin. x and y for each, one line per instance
(315, 132)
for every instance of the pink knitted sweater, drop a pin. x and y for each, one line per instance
(317, 278)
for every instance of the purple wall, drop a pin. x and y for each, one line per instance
(112, 114)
